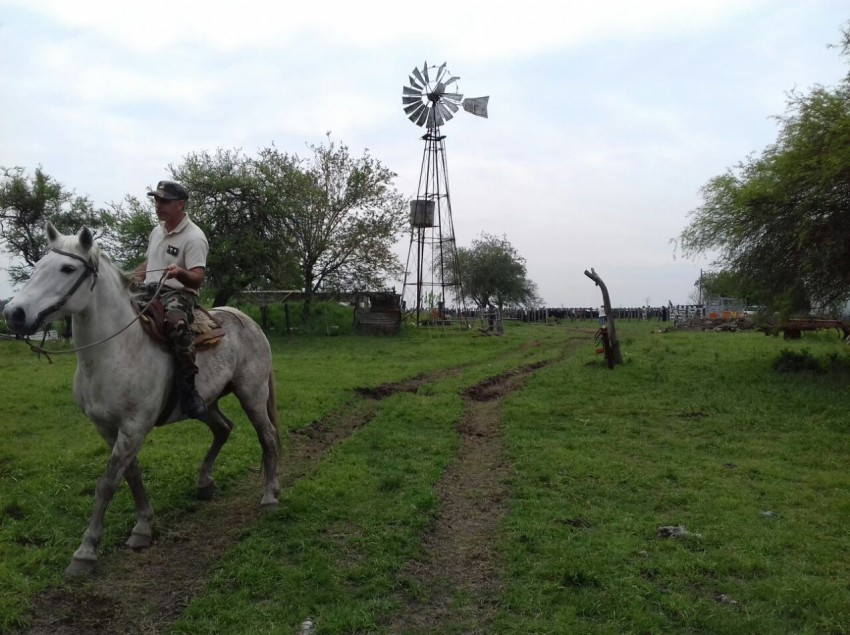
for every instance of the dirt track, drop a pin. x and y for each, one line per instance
(147, 592)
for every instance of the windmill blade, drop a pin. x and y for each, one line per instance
(413, 107)
(444, 112)
(409, 99)
(452, 105)
(417, 114)
(455, 97)
(451, 80)
(423, 115)
(435, 119)
(405, 90)
(476, 105)
(414, 110)
(418, 76)
(425, 71)
(440, 72)
(414, 83)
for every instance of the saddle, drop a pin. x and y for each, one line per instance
(208, 332)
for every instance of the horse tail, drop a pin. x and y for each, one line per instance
(271, 409)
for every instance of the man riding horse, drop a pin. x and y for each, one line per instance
(177, 251)
(76, 278)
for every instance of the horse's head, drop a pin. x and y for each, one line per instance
(61, 282)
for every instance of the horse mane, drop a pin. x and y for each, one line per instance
(128, 277)
(70, 243)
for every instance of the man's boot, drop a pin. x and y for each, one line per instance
(183, 345)
(190, 400)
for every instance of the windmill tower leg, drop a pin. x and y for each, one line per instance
(450, 274)
(437, 273)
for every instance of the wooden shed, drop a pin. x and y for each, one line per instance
(377, 313)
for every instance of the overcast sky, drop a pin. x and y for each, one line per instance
(605, 118)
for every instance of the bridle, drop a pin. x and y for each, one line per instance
(90, 270)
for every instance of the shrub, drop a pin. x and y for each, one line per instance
(796, 361)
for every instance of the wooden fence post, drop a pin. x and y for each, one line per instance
(288, 325)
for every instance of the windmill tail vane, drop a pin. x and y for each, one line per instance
(476, 105)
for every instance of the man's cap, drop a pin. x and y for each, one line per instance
(170, 190)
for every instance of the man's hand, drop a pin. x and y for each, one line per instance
(192, 278)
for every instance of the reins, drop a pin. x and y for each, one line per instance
(91, 269)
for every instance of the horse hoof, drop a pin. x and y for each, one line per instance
(80, 568)
(205, 492)
(270, 505)
(137, 542)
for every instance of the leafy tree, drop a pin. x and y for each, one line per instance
(722, 283)
(340, 214)
(27, 203)
(492, 272)
(325, 223)
(229, 200)
(134, 221)
(779, 220)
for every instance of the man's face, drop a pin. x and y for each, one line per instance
(169, 210)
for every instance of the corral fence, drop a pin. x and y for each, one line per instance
(674, 313)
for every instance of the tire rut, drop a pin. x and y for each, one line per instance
(457, 560)
(146, 592)
(454, 585)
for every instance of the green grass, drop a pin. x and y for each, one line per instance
(694, 429)
(340, 537)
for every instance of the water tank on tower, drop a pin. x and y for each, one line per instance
(421, 213)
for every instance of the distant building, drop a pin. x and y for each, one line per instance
(720, 308)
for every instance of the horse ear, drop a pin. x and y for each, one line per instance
(86, 239)
(52, 234)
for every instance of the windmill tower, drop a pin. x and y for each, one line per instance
(432, 275)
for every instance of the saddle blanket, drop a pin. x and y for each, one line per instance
(208, 332)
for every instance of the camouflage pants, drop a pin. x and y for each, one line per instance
(179, 314)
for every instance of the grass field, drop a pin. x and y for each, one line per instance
(453, 483)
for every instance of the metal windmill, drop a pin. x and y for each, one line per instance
(429, 102)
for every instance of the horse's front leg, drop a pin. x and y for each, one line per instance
(124, 452)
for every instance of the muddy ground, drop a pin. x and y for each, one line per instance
(148, 592)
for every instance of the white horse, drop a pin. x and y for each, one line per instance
(124, 383)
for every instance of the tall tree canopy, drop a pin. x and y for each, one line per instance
(780, 220)
(327, 222)
(229, 201)
(134, 220)
(27, 203)
(340, 215)
(493, 272)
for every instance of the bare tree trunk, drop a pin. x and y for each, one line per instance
(606, 302)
